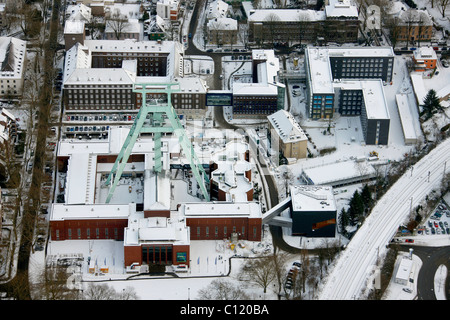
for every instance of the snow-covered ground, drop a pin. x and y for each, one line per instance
(353, 270)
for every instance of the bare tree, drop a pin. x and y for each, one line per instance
(221, 289)
(261, 271)
(117, 22)
(244, 33)
(96, 291)
(280, 259)
(303, 22)
(393, 25)
(442, 6)
(272, 21)
(51, 284)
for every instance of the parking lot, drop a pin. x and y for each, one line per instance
(438, 222)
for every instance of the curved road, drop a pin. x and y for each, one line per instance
(352, 270)
(432, 258)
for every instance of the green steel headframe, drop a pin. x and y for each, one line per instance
(154, 112)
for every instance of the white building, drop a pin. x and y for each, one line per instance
(404, 271)
(287, 131)
(217, 9)
(168, 9)
(13, 60)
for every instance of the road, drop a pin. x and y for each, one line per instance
(352, 269)
(432, 258)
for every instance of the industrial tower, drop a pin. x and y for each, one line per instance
(150, 119)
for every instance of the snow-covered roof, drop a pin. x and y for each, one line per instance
(287, 128)
(156, 230)
(267, 72)
(221, 209)
(131, 26)
(312, 198)
(77, 57)
(79, 12)
(319, 70)
(62, 211)
(341, 8)
(424, 53)
(285, 15)
(336, 173)
(223, 24)
(374, 99)
(129, 10)
(419, 87)
(231, 168)
(217, 9)
(191, 84)
(373, 93)
(97, 76)
(443, 92)
(12, 57)
(414, 17)
(359, 51)
(404, 269)
(74, 27)
(406, 118)
(131, 45)
(80, 184)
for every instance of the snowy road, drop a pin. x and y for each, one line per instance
(357, 263)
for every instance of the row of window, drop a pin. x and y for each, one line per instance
(224, 231)
(79, 234)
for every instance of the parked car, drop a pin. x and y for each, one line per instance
(407, 290)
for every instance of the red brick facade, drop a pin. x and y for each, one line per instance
(88, 229)
(219, 228)
(166, 254)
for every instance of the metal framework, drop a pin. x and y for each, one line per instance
(150, 119)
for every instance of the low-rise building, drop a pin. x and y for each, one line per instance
(222, 31)
(340, 85)
(231, 174)
(13, 53)
(313, 211)
(424, 58)
(288, 133)
(121, 30)
(8, 126)
(414, 25)
(223, 220)
(337, 23)
(74, 32)
(168, 9)
(264, 95)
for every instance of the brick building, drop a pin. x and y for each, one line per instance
(222, 220)
(337, 23)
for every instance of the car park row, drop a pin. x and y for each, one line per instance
(438, 221)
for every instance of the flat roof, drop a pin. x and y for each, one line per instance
(61, 211)
(334, 173)
(287, 128)
(406, 118)
(286, 15)
(222, 209)
(319, 70)
(171, 230)
(359, 51)
(374, 99)
(312, 198)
